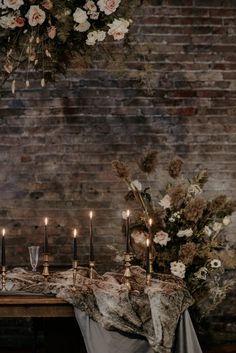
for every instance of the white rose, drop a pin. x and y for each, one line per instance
(95, 36)
(101, 35)
(165, 202)
(118, 28)
(91, 38)
(161, 238)
(108, 6)
(94, 15)
(226, 220)
(135, 185)
(217, 227)
(90, 6)
(207, 230)
(13, 4)
(80, 15)
(185, 233)
(194, 190)
(178, 268)
(215, 263)
(201, 273)
(82, 27)
(35, 15)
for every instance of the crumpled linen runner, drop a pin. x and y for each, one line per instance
(152, 312)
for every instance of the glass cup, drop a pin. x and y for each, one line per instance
(34, 256)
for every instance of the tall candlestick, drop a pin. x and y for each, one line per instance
(3, 247)
(45, 236)
(75, 245)
(91, 250)
(127, 231)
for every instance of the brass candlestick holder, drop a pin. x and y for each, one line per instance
(127, 274)
(148, 279)
(91, 269)
(45, 267)
(74, 267)
(4, 278)
(150, 263)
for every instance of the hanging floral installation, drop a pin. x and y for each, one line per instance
(43, 35)
(188, 229)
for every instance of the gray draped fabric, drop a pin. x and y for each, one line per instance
(99, 340)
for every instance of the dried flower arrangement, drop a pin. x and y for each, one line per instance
(43, 35)
(187, 229)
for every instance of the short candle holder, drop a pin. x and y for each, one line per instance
(148, 279)
(4, 278)
(74, 267)
(45, 267)
(127, 274)
(91, 269)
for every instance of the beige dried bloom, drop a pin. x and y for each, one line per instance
(187, 252)
(148, 163)
(121, 169)
(175, 167)
(177, 194)
(218, 204)
(194, 210)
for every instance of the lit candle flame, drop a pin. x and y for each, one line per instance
(91, 214)
(128, 213)
(3, 232)
(75, 233)
(148, 242)
(150, 222)
(46, 221)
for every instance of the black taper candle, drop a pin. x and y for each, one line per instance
(127, 231)
(91, 250)
(3, 248)
(45, 236)
(75, 246)
(148, 255)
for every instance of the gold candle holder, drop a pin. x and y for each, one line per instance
(150, 263)
(4, 278)
(45, 267)
(127, 274)
(74, 267)
(148, 279)
(91, 269)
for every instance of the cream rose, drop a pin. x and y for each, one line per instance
(108, 6)
(95, 36)
(161, 238)
(118, 28)
(13, 4)
(90, 6)
(91, 38)
(82, 27)
(35, 15)
(80, 15)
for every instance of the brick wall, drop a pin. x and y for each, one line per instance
(175, 92)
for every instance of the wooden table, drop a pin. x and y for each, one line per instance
(50, 315)
(34, 306)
